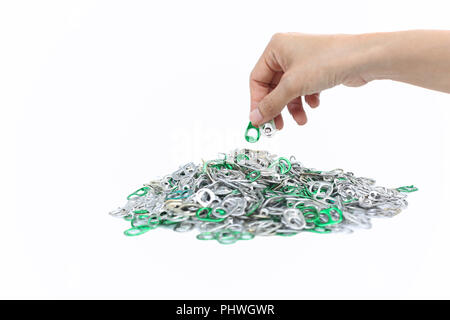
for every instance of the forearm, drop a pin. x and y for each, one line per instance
(418, 57)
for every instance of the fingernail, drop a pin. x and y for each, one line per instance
(256, 116)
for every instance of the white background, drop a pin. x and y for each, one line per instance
(99, 97)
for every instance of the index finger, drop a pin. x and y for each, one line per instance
(262, 77)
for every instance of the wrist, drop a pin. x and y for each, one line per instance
(376, 59)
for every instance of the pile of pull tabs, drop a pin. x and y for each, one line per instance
(248, 193)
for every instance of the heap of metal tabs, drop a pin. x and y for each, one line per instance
(249, 193)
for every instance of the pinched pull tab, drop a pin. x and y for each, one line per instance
(268, 129)
(252, 133)
(407, 189)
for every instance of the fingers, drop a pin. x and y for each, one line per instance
(272, 104)
(313, 100)
(279, 123)
(295, 108)
(265, 73)
(258, 89)
(297, 111)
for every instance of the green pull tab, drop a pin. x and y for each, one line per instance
(407, 189)
(252, 133)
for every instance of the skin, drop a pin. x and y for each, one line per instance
(296, 65)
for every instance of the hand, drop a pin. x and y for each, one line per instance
(295, 65)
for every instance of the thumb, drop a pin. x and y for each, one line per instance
(272, 104)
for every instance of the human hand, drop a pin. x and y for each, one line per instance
(295, 65)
